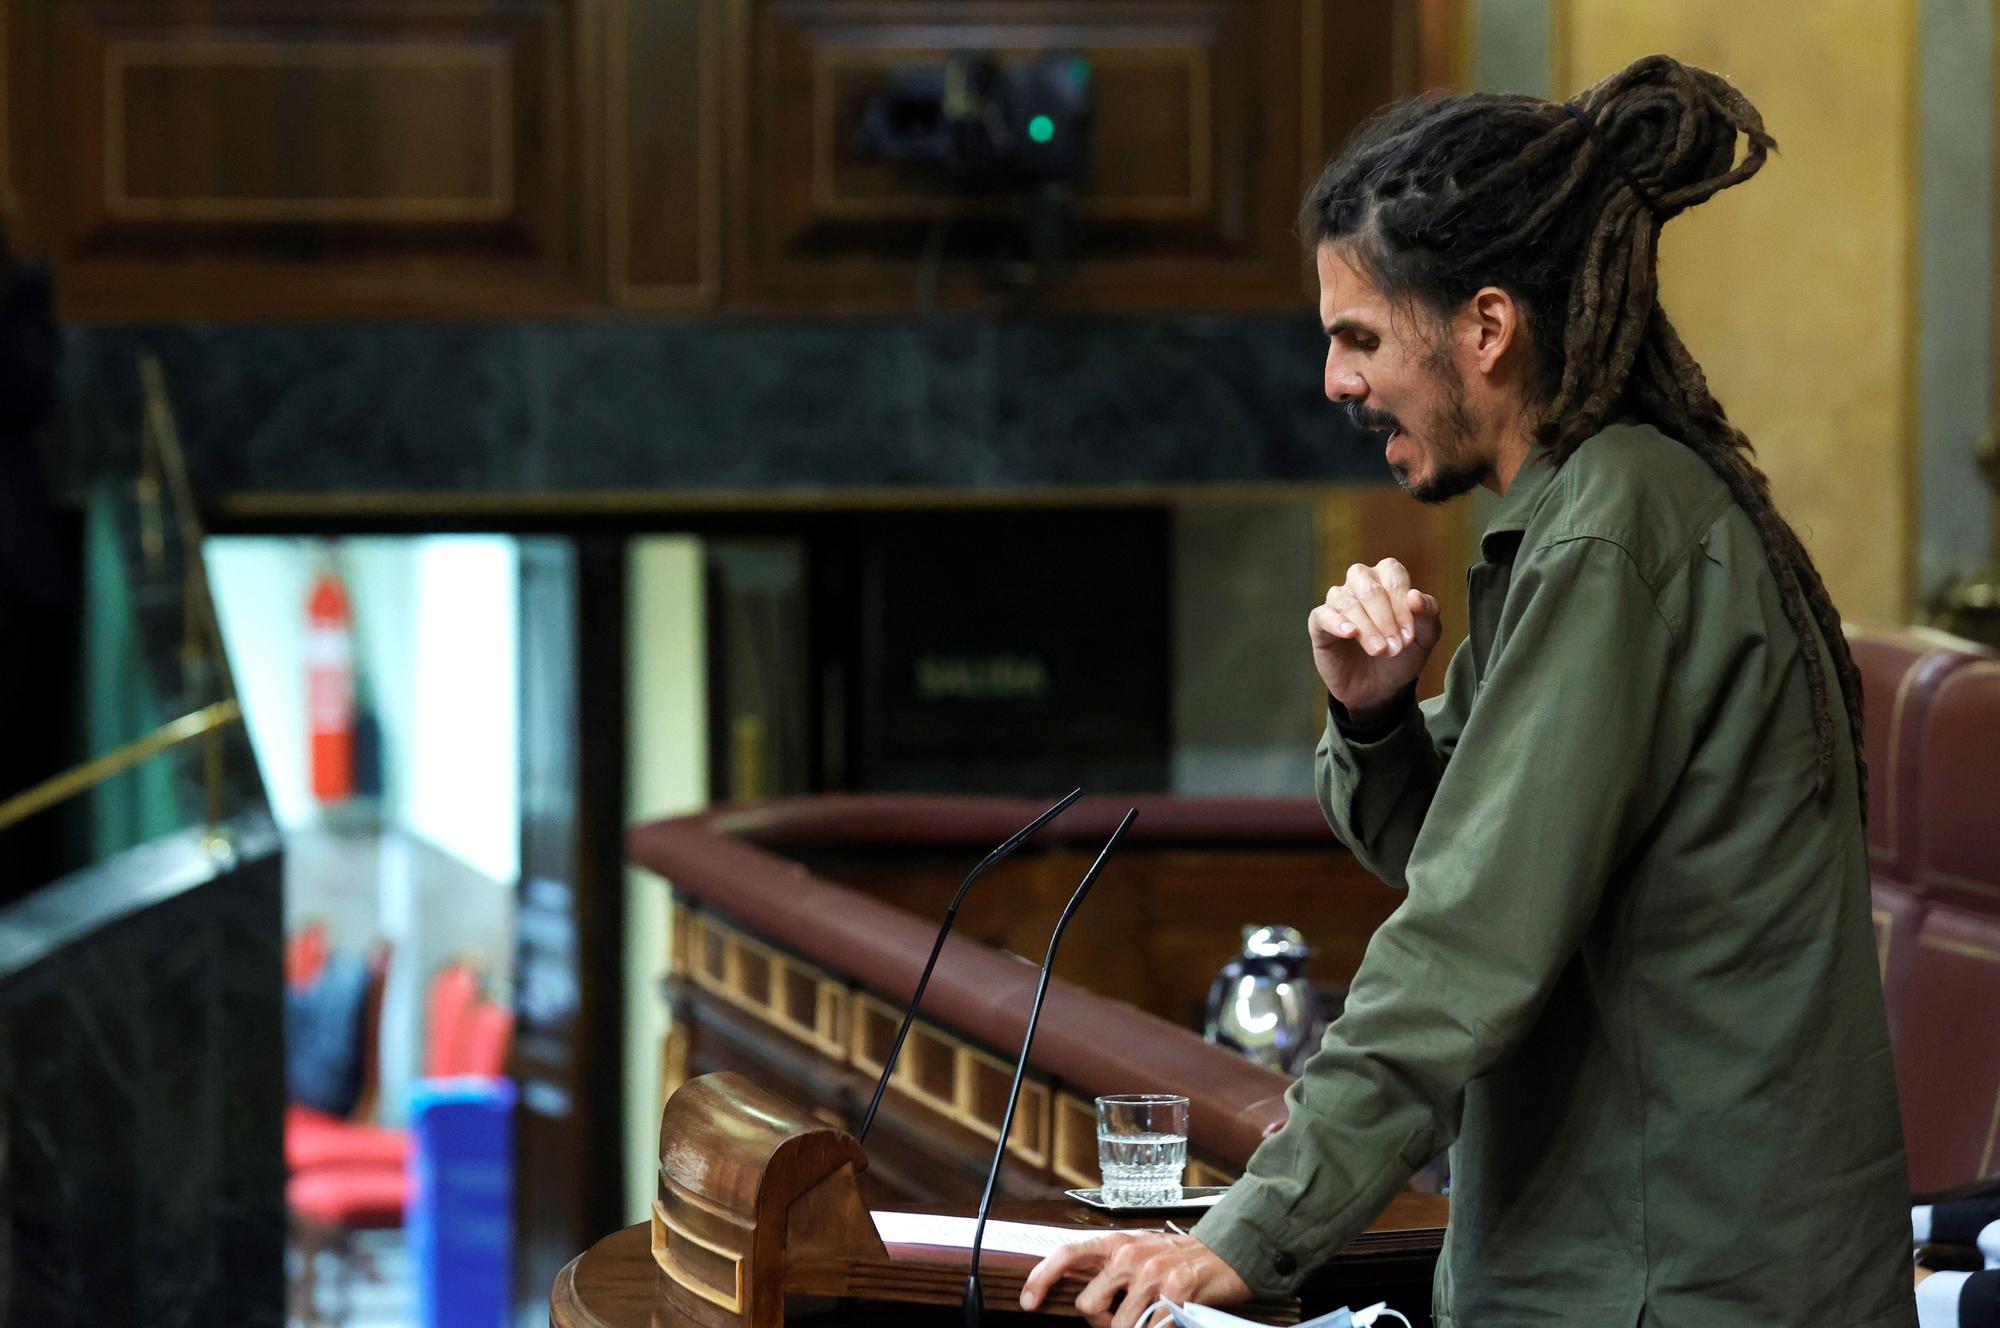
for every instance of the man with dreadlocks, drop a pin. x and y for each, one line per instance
(1632, 986)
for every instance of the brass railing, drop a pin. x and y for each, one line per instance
(82, 778)
(163, 467)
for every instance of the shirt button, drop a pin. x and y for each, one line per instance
(1284, 1264)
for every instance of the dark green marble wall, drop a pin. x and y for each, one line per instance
(142, 1171)
(980, 403)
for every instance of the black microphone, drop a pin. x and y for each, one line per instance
(973, 1296)
(1019, 838)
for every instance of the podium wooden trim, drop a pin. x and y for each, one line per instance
(758, 1200)
(663, 1227)
(749, 1184)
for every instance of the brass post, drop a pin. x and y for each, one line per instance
(1969, 605)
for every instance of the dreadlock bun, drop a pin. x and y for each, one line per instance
(1676, 128)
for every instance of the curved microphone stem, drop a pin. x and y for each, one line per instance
(910, 1015)
(974, 1297)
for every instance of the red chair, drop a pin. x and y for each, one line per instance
(454, 996)
(489, 1034)
(314, 1137)
(315, 1140)
(305, 955)
(328, 1206)
(1948, 1051)
(349, 1177)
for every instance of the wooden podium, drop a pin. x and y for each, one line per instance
(758, 1201)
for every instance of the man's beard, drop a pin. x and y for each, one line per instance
(1454, 471)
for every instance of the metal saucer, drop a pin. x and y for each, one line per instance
(1192, 1196)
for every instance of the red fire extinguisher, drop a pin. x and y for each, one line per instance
(330, 686)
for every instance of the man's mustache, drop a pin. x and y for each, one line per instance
(1372, 420)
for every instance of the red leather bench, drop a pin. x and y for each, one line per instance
(1933, 749)
(1948, 1053)
(1958, 822)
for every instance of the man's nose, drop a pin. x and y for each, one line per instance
(1342, 383)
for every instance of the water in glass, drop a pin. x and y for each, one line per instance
(1142, 1169)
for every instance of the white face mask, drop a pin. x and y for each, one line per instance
(1164, 1312)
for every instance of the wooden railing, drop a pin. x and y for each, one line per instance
(799, 979)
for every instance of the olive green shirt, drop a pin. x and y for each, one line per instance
(1633, 982)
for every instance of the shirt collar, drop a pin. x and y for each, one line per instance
(1517, 505)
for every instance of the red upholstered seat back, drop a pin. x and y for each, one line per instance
(1897, 911)
(1900, 678)
(305, 955)
(453, 997)
(1933, 748)
(489, 1031)
(468, 1034)
(1959, 771)
(1948, 1048)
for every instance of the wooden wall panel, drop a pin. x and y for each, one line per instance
(663, 152)
(12, 222)
(304, 157)
(246, 159)
(21, 83)
(1366, 54)
(1211, 114)
(348, 131)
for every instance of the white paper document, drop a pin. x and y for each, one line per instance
(1165, 1312)
(955, 1233)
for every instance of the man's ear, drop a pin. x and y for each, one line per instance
(1495, 327)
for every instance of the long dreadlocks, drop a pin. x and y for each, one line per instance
(1562, 206)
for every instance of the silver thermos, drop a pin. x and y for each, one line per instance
(1262, 1005)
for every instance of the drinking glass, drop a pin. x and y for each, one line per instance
(1142, 1148)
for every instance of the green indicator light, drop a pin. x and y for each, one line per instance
(1079, 70)
(1041, 129)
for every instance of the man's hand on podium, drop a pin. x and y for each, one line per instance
(1141, 1267)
